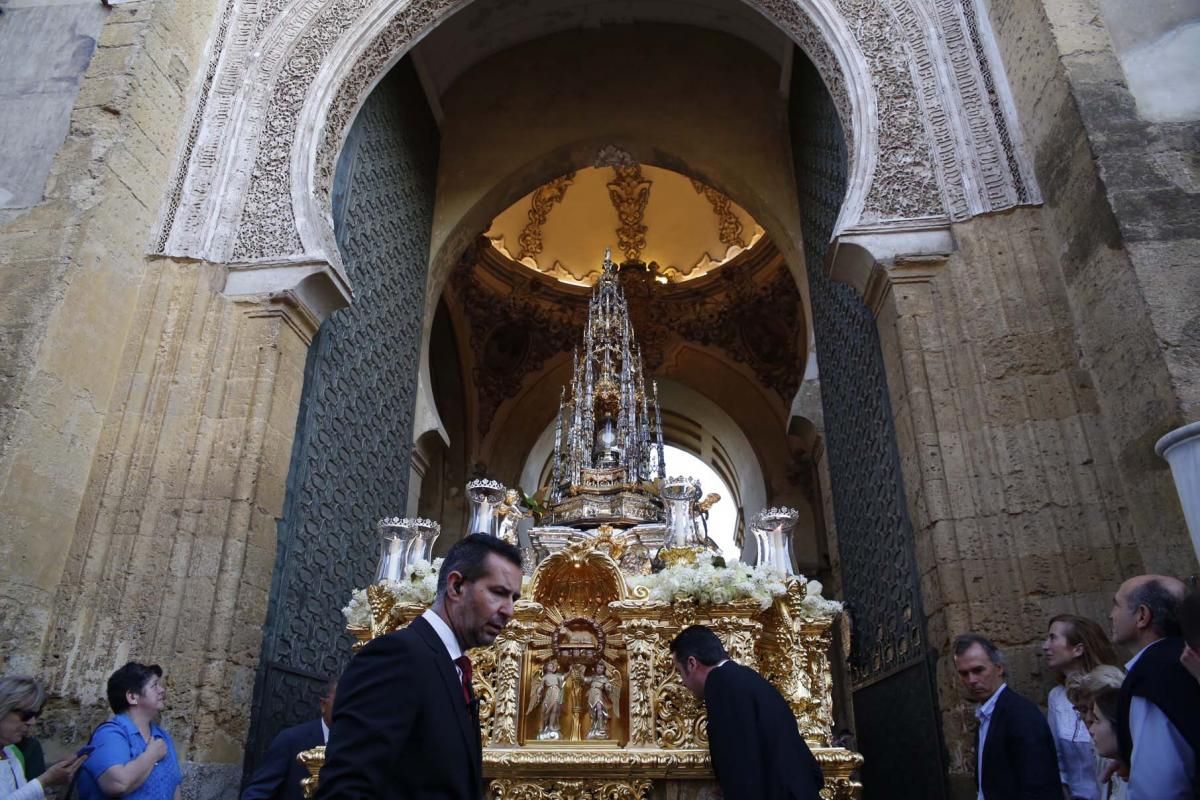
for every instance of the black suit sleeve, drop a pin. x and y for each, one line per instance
(733, 742)
(373, 717)
(1033, 755)
(267, 782)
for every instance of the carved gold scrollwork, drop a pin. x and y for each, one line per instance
(311, 760)
(729, 227)
(544, 199)
(553, 789)
(640, 643)
(629, 192)
(486, 681)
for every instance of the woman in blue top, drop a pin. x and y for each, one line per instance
(134, 757)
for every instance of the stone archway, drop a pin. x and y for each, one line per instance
(256, 184)
(284, 83)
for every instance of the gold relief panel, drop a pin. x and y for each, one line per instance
(550, 789)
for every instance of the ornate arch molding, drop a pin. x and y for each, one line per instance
(930, 126)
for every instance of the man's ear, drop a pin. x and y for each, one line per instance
(1142, 617)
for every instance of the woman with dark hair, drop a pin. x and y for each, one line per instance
(21, 701)
(134, 757)
(1073, 647)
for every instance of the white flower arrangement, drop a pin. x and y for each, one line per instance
(816, 605)
(714, 585)
(421, 587)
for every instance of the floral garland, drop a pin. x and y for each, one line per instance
(421, 587)
(706, 583)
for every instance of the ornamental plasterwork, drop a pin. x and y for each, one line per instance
(285, 79)
(543, 200)
(630, 192)
(728, 225)
(517, 322)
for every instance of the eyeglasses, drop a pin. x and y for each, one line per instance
(27, 715)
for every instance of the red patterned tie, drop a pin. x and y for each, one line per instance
(464, 663)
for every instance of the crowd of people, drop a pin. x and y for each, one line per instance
(406, 720)
(129, 755)
(1111, 730)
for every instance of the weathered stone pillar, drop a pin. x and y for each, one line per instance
(173, 552)
(1120, 219)
(1017, 507)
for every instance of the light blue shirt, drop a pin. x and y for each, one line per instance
(1162, 764)
(984, 715)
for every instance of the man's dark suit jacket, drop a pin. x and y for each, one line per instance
(278, 776)
(1019, 760)
(757, 750)
(401, 728)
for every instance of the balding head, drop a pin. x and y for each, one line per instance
(1145, 608)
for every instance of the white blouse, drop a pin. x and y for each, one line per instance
(1076, 755)
(12, 779)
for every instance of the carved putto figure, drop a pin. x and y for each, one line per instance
(603, 700)
(548, 699)
(510, 512)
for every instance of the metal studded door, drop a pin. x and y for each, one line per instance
(351, 457)
(891, 666)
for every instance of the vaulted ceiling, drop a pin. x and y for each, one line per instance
(682, 228)
(486, 27)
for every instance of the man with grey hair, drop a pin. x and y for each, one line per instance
(1158, 714)
(1015, 757)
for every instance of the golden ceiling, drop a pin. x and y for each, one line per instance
(643, 213)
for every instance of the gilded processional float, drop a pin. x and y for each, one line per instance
(578, 696)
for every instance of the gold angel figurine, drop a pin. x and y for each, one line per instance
(710, 500)
(603, 700)
(547, 698)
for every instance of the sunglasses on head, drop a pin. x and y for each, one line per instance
(27, 715)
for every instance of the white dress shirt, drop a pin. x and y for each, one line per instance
(984, 715)
(324, 731)
(447, 636)
(1162, 764)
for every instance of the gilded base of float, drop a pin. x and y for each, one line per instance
(527, 773)
(534, 773)
(652, 738)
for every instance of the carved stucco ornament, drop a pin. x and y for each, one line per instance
(545, 197)
(929, 121)
(728, 225)
(629, 191)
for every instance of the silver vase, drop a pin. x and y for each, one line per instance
(398, 539)
(772, 529)
(485, 497)
(679, 496)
